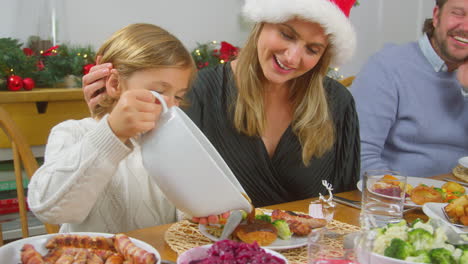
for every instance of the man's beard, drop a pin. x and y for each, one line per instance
(443, 49)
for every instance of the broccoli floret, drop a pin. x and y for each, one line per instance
(421, 239)
(263, 217)
(463, 247)
(416, 221)
(426, 226)
(401, 223)
(420, 256)
(464, 257)
(283, 229)
(399, 249)
(441, 256)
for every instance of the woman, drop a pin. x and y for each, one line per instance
(281, 125)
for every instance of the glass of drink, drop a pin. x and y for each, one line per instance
(319, 251)
(383, 198)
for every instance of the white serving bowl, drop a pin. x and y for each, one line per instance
(363, 257)
(201, 252)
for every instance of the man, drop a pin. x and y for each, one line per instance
(412, 108)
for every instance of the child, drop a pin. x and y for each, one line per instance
(93, 177)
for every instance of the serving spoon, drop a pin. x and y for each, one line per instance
(233, 221)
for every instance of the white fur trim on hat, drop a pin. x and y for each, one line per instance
(324, 12)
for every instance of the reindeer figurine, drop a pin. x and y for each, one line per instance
(323, 208)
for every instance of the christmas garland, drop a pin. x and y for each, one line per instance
(214, 53)
(40, 65)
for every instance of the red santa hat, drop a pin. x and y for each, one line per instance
(333, 15)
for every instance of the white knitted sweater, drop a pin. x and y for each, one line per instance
(91, 181)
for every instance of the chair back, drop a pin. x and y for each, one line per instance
(22, 157)
(346, 82)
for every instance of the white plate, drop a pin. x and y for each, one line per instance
(415, 181)
(10, 253)
(279, 244)
(435, 210)
(463, 162)
(201, 252)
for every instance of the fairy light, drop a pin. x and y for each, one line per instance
(221, 61)
(214, 42)
(85, 56)
(78, 54)
(41, 51)
(12, 70)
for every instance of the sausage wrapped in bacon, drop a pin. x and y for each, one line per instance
(300, 224)
(29, 255)
(125, 246)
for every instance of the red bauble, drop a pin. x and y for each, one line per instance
(28, 51)
(87, 68)
(40, 65)
(14, 83)
(28, 83)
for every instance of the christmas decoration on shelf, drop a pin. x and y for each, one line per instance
(213, 53)
(24, 68)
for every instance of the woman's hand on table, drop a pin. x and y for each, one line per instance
(212, 219)
(94, 82)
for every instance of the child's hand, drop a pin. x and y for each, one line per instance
(135, 112)
(212, 219)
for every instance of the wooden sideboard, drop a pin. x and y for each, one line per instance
(38, 110)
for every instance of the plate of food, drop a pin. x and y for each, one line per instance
(277, 230)
(454, 213)
(86, 247)
(420, 190)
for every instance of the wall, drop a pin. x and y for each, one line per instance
(383, 21)
(91, 22)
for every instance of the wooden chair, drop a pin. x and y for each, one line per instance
(22, 155)
(346, 82)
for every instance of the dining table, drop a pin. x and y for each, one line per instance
(343, 213)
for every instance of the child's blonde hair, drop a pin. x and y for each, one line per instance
(138, 47)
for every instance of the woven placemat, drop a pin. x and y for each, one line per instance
(185, 235)
(460, 173)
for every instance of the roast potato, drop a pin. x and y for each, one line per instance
(454, 187)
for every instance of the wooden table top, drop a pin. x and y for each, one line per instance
(155, 235)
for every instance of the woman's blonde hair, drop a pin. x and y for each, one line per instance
(312, 121)
(138, 47)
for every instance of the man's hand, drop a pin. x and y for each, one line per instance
(135, 112)
(95, 81)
